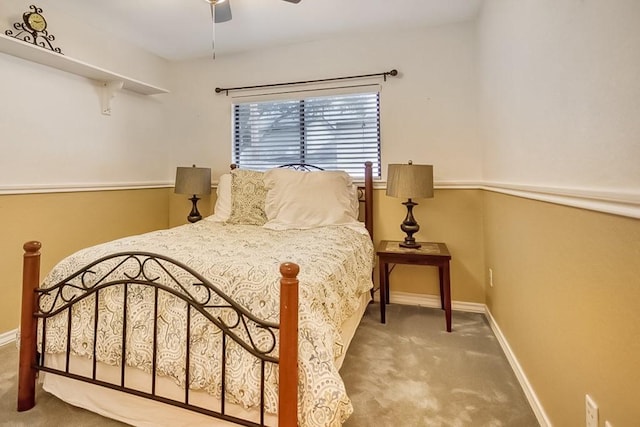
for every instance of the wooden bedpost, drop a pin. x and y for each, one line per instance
(288, 369)
(368, 197)
(28, 327)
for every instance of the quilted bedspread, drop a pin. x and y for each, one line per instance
(243, 261)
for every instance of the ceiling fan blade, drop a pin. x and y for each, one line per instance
(293, 1)
(223, 11)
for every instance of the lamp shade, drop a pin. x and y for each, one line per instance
(193, 180)
(409, 181)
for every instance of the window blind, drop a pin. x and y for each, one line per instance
(332, 132)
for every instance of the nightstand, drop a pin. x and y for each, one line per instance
(430, 253)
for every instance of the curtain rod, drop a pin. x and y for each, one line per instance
(393, 72)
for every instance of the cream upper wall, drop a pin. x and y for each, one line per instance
(428, 113)
(52, 132)
(560, 101)
(560, 95)
(82, 41)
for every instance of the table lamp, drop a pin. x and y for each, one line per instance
(409, 181)
(193, 181)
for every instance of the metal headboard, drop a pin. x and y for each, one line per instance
(296, 166)
(302, 167)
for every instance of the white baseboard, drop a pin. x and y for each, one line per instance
(538, 410)
(433, 301)
(8, 337)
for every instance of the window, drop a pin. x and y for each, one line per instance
(332, 132)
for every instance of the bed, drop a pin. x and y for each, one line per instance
(242, 318)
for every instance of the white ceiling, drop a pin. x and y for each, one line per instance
(181, 29)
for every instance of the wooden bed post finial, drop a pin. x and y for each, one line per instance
(28, 325)
(289, 271)
(288, 364)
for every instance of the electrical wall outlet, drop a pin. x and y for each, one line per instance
(491, 277)
(592, 412)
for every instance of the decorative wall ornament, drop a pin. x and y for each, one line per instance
(33, 29)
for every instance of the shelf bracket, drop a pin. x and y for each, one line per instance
(109, 90)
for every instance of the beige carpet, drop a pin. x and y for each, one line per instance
(409, 372)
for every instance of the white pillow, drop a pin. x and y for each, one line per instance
(222, 209)
(302, 200)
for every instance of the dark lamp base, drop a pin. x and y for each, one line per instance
(410, 227)
(409, 244)
(194, 215)
(194, 218)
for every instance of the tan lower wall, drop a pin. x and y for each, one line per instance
(451, 216)
(64, 223)
(566, 281)
(566, 291)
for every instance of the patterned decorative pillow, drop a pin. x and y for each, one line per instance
(248, 195)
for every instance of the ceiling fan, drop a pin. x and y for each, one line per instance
(221, 12)
(221, 9)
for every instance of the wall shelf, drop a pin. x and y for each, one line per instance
(110, 81)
